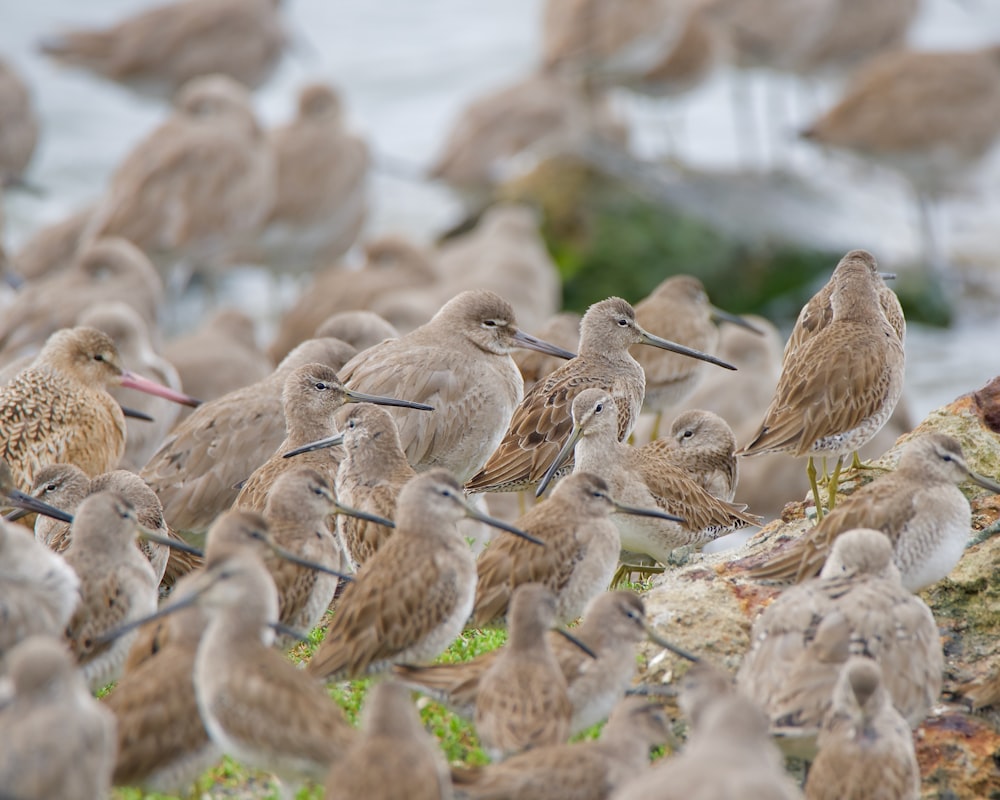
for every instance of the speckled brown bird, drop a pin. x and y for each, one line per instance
(59, 410)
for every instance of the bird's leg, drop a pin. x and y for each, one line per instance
(811, 472)
(831, 487)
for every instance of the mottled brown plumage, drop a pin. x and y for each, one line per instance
(703, 445)
(542, 422)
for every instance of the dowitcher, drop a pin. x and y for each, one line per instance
(371, 475)
(523, 700)
(864, 742)
(678, 310)
(20, 126)
(918, 506)
(391, 614)
(13, 497)
(588, 770)
(38, 590)
(703, 445)
(612, 625)
(394, 758)
(859, 583)
(196, 470)
(838, 388)
(460, 364)
(58, 740)
(59, 410)
(311, 395)
(159, 49)
(542, 422)
(644, 477)
(580, 554)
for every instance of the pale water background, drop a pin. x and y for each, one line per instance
(407, 68)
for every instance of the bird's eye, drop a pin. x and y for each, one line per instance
(688, 434)
(51, 487)
(598, 408)
(320, 385)
(99, 357)
(490, 323)
(623, 322)
(352, 424)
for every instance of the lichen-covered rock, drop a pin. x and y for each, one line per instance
(708, 606)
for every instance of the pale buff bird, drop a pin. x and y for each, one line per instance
(52, 247)
(18, 125)
(201, 179)
(160, 49)
(59, 410)
(320, 200)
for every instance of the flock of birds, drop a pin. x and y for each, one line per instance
(182, 545)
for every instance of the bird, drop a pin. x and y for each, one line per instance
(587, 770)
(388, 615)
(523, 701)
(540, 424)
(394, 758)
(320, 199)
(158, 50)
(52, 247)
(107, 270)
(918, 506)
(58, 740)
(579, 557)
(644, 477)
(25, 503)
(460, 364)
(134, 340)
(864, 742)
(702, 443)
(678, 309)
(39, 591)
(196, 470)
(562, 329)
(360, 329)
(613, 623)
(311, 395)
(59, 410)
(196, 183)
(19, 126)
(840, 387)
(860, 588)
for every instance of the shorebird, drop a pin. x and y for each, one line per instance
(523, 700)
(702, 444)
(864, 742)
(38, 589)
(311, 395)
(59, 410)
(371, 475)
(679, 310)
(840, 387)
(19, 124)
(117, 583)
(104, 271)
(158, 50)
(579, 557)
(563, 330)
(460, 364)
(196, 470)
(13, 497)
(860, 589)
(360, 329)
(394, 758)
(201, 179)
(542, 421)
(589, 770)
(644, 477)
(58, 740)
(391, 614)
(918, 506)
(320, 199)
(613, 623)
(133, 338)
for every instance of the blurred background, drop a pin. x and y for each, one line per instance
(697, 169)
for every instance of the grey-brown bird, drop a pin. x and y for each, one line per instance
(864, 742)
(393, 613)
(588, 770)
(158, 50)
(580, 554)
(918, 506)
(860, 583)
(394, 758)
(644, 477)
(58, 740)
(542, 422)
(13, 497)
(703, 445)
(311, 395)
(59, 410)
(196, 470)
(460, 364)
(523, 701)
(360, 329)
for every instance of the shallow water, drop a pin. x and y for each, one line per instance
(407, 68)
